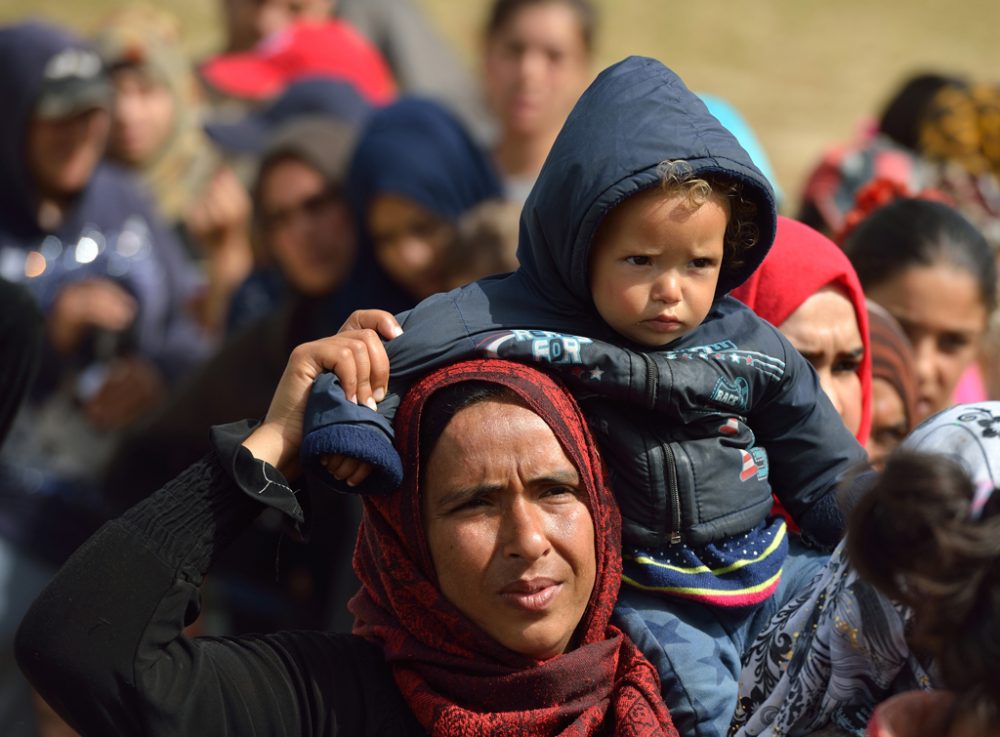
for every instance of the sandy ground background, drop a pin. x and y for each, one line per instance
(804, 73)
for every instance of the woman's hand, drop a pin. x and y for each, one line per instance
(131, 389)
(384, 323)
(369, 384)
(83, 305)
(359, 360)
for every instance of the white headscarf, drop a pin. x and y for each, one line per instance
(970, 435)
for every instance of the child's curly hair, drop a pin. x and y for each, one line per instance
(742, 232)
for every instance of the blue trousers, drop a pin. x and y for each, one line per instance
(698, 648)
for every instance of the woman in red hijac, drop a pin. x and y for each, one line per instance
(488, 581)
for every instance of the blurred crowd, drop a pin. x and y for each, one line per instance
(177, 226)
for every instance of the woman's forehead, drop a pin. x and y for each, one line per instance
(496, 438)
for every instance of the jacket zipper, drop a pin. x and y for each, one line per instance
(675, 496)
(651, 376)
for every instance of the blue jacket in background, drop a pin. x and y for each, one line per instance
(130, 244)
(697, 435)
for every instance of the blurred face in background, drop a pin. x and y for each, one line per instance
(62, 153)
(824, 329)
(306, 226)
(889, 422)
(248, 21)
(940, 309)
(411, 244)
(536, 65)
(142, 117)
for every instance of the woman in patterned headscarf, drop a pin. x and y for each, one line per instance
(157, 132)
(916, 578)
(927, 537)
(894, 385)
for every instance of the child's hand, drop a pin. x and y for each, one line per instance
(344, 468)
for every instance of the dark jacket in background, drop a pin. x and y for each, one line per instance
(22, 331)
(134, 673)
(48, 505)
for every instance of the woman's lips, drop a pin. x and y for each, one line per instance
(535, 595)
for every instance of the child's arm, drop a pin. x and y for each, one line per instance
(810, 450)
(352, 441)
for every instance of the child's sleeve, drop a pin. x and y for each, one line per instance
(434, 335)
(810, 450)
(336, 426)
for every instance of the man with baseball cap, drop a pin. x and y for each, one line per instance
(112, 283)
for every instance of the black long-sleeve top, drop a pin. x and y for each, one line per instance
(104, 642)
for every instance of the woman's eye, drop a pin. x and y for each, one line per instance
(470, 505)
(952, 343)
(560, 491)
(846, 366)
(638, 260)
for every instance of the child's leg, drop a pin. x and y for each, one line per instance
(696, 649)
(799, 570)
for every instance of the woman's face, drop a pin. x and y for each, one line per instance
(508, 528)
(63, 153)
(307, 227)
(889, 422)
(411, 244)
(536, 65)
(825, 330)
(940, 309)
(142, 117)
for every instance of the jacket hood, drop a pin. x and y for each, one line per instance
(635, 115)
(25, 48)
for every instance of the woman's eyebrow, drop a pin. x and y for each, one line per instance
(467, 493)
(569, 477)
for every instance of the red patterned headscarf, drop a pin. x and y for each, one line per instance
(456, 679)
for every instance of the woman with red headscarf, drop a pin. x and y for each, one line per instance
(807, 288)
(488, 582)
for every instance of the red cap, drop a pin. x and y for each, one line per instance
(332, 48)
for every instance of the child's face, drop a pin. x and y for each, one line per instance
(655, 264)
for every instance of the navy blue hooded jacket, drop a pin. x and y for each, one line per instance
(683, 428)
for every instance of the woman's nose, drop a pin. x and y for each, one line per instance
(829, 388)
(925, 362)
(415, 253)
(523, 531)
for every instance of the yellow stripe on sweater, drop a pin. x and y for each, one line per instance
(714, 593)
(647, 561)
